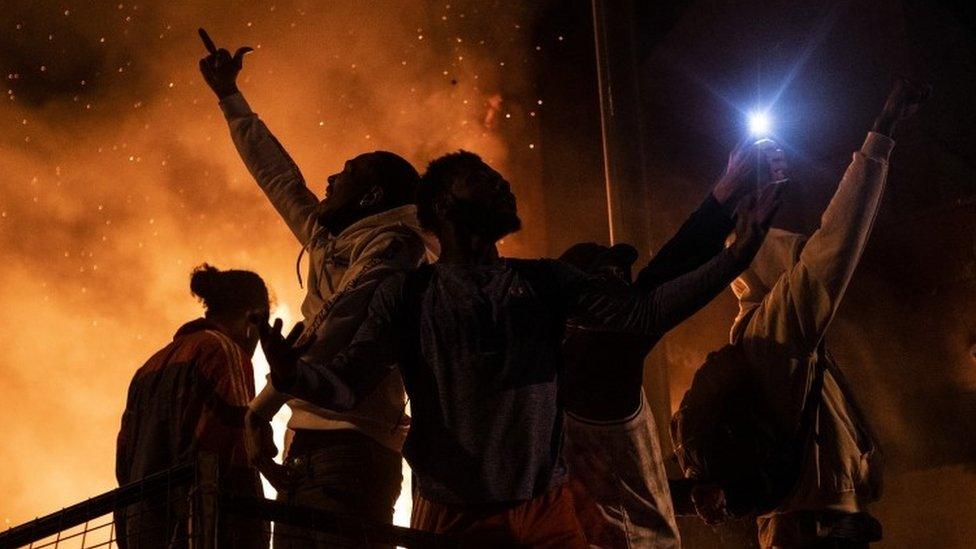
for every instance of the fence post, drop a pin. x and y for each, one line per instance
(203, 504)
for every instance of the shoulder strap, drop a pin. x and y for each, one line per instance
(811, 405)
(860, 419)
(807, 430)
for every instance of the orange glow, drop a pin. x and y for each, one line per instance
(119, 176)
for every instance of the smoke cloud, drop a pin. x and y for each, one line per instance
(118, 176)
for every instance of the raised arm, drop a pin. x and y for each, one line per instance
(269, 164)
(655, 311)
(784, 329)
(700, 238)
(703, 234)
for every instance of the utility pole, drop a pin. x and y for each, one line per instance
(625, 181)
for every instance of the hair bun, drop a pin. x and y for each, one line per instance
(232, 291)
(204, 281)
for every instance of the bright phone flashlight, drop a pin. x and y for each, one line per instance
(759, 123)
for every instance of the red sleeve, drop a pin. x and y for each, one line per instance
(226, 393)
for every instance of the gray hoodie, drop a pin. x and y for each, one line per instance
(344, 271)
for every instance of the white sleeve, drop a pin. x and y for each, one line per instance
(272, 168)
(783, 332)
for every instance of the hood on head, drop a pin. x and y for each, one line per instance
(779, 252)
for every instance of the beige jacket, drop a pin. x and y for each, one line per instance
(787, 299)
(344, 271)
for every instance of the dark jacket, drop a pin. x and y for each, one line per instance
(190, 397)
(481, 361)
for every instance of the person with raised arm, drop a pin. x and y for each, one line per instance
(477, 338)
(769, 426)
(612, 452)
(362, 232)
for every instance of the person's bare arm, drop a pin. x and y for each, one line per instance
(259, 435)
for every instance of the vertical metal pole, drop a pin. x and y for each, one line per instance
(623, 167)
(606, 103)
(202, 527)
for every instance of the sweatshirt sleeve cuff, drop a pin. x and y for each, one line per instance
(877, 146)
(235, 106)
(268, 402)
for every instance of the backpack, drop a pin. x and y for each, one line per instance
(722, 431)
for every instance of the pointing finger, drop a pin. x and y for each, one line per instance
(207, 42)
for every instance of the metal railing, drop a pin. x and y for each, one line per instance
(60, 525)
(185, 507)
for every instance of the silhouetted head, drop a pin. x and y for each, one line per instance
(228, 296)
(593, 258)
(461, 191)
(368, 184)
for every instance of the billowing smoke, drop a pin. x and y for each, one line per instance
(118, 176)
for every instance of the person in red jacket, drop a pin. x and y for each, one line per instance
(189, 398)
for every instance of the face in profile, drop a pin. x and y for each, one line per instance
(343, 192)
(483, 203)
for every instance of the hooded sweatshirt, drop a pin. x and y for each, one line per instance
(787, 299)
(344, 271)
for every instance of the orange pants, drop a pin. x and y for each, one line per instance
(547, 521)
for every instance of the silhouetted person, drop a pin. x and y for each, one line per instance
(191, 397)
(363, 230)
(477, 339)
(823, 466)
(612, 450)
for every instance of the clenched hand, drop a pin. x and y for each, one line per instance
(220, 68)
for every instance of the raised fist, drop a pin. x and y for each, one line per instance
(904, 100)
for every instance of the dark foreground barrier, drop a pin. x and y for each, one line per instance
(189, 509)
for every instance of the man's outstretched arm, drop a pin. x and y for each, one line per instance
(268, 162)
(392, 251)
(702, 236)
(654, 312)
